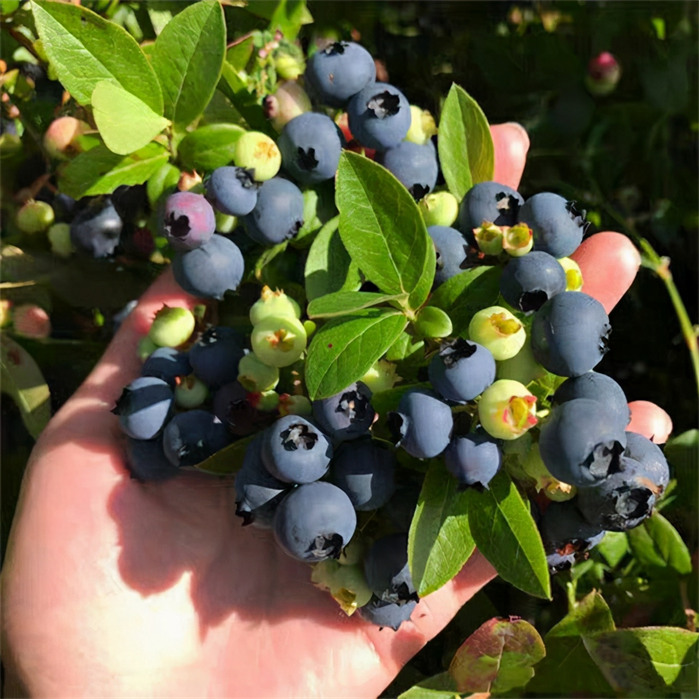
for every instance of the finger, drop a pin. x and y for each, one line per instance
(650, 420)
(609, 262)
(511, 143)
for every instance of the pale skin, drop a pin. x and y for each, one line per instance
(115, 588)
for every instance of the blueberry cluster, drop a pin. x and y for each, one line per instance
(317, 472)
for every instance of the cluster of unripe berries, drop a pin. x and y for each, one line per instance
(312, 468)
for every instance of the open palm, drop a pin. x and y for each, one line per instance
(112, 587)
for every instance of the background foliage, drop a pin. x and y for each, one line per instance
(629, 158)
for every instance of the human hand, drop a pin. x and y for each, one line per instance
(113, 587)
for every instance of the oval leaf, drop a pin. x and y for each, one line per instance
(344, 303)
(85, 49)
(498, 656)
(383, 230)
(209, 146)
(226, 461)
(23, 381)
(439, 541)
(659, 548)
(506, 535)
(188, 57)
(125, 122)
(99, 171)
(466, 152)
(343, 351)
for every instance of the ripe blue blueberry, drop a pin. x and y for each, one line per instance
(461, 370)
(581, 442)
(557, 224)
(232, 190)
(193, 436)
(167, 363)
(379, 116)
(365, 470)
(490, 202)
(450, 248)
(214, 357)
(422, 424)
(314, 522)
(651, 457)
(473, 459)
(296, 451)
(278, 213)
(257, 492)
(386, 569)
(599, 387)
(387, 614)
(566, 535)
(570, 333)
(622, 500)
(529, 281)
(97, 229)
(144, 407)
(338, 71)
(189, 220)
(210, 270)
(146, 460)
(310, 145)
(346, 415)
(414, 165)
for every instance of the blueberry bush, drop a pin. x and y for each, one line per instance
(394, 359)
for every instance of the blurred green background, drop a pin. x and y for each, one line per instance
(629, 157)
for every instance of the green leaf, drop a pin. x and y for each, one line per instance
(99, 171)
(209, 147)
(341, 352)
(497, 657)
(188, 58)
(567, 663)
(439, 541)
(506, 535)
(125, 122)
(613, 547)
(465, 294)
(163, 180)
(85, 49)
(329, 267)
(22, 380)
(383, 230)
(439, 686)
(246, 102)
(228, 460)
(466, 152)
(647, 660)
(286, 15)
(345, 303)
(659, 548)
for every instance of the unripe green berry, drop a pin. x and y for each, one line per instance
(381, 376)
(273, 303)
(59, 238)
(34, 216)
(172, 326)
(574, 279)
(190, 392)
(422, 126)
(353, 553)
(523, 367)
(265, 401)
(506, 409)
(439, 208)
(255, 376)
(146, 347)
(288, 101)
(278, 341)
(498, 330)
(432, 322)
(517, 240)
(489, 238)
(294, 405)
(225, 223)
(346, 584)
(256, 151)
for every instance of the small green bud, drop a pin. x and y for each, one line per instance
(172, 326)
(574, 278)
(517, 240)
(346, 584)
(273, 303)
(225, 223)
(432, 322)
(489, 238)
(439, 209)
(554, 489)
(422, 126)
